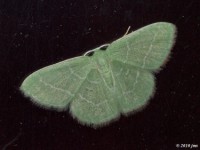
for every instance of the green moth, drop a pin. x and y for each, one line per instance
(97, 89)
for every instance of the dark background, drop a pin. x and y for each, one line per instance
(37, 33)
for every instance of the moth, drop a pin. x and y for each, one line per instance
(98, 89)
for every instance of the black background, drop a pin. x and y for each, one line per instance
(37, 33)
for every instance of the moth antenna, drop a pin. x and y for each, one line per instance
(127, 31)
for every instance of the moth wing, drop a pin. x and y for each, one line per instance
(135, 86)
(146, 48)
(94, 104)
(54, 86)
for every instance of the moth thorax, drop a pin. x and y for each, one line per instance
(105, 71)
(103, 65)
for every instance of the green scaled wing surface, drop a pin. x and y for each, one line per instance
(145, 48)
(54, 86)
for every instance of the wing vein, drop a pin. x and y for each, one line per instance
(150, 49)
(56, 88)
